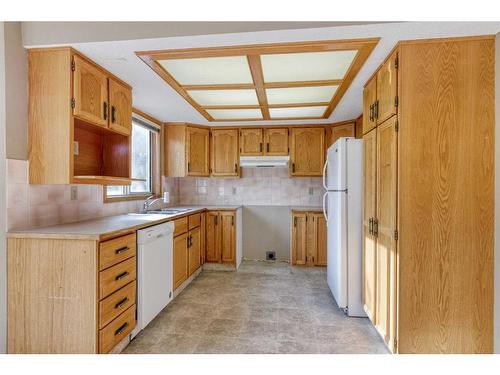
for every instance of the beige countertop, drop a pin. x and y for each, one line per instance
(97, 229)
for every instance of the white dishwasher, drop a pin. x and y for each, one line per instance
(154, 272)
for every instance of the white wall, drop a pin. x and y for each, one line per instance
(497, 197)
(3, 262)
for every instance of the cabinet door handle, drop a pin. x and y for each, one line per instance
(216, 220)
(267, 146)
(375, 227)
(295, 221)
(260, 146)
(122, 250)
(189, 167)
(376, 110)
(235, 167)
(113, 114)
(105, 110)
(293, 167)
(121, 329)
(370, 226)
(121, 276)
(371, 112)
(121, 303)
(232, 220)
(187, 242)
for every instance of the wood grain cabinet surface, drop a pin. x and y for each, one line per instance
(251, 142)
(120, 107)
(221, 237)
(307, 151)
(428, 245)
(308, 238)
(224, 153)
(276, 142)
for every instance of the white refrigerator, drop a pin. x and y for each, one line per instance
(342, 206)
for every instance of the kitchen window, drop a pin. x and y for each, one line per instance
(145, 166)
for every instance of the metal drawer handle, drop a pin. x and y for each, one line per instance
(122, 250)
(113, 114)
(121, 303)
(121, 329)
(121, 276)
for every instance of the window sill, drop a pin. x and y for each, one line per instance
(125, 198)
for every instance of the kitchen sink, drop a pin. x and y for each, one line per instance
(169, 211)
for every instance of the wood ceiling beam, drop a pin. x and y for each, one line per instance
(258, 80)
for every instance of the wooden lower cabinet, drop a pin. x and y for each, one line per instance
(429, 199)
(194, 250)
(221, 237)
(308, 238)
(180, 259)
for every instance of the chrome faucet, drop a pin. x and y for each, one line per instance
(149, 202)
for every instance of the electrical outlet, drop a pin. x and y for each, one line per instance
(311, 191)
(234, 190)
(74, 193)
(76, 150)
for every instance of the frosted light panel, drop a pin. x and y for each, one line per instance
(297, 112)
(300, 95)
(229, 114)
(224, 97)
(209, 70)
(308, 66)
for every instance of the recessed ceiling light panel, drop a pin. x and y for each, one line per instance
(209, 70)
(224, 97)
(307, 66)
(297, 112)
(294, 95)
(235, 114)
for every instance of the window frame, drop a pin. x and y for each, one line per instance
(155, 168)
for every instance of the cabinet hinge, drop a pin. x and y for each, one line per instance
(73, 65)
(396, 101)
(396, 62)
(73, 102)
(397, 125)
(396, 235)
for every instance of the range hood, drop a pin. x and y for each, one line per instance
(264, 161)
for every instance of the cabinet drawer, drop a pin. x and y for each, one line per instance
(117, 250)
(116, 303)
(194, 221)
(181, 226)
(117, 330)
(116, 277)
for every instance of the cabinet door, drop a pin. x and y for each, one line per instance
(194, 250)
(299, 238)
(197, 151)
(120, 100)
(369, 99)
(387, 90)
(90, 91)
(203, 239)
(213, 237)
(316, 239)
(228, 236)
(384, 230)
(180, 259)
(224, 152)
(307, 152)
(369, 214)
(347, 130)
(251, 142)
(276, 142)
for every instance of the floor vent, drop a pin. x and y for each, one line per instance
(270, 255)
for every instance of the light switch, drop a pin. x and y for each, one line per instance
(74, 193)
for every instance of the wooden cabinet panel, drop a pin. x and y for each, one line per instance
(307, 151)
(117, 330)
(180, 260)
(276, 142)
(203, 234)
(387, 89)
(194, 221)
(369, 99)
(336, 132)
(180, 226)
(115, 277)
(316, 239)
(116, 303)
(194, 250)
(116, 250)
(228, 236)
(224, 153)
(369, 214)
(120, 101)
(213, 254)
(384, 227)
(299, 238)
(90, 91)
(251, 142)
(197, 155)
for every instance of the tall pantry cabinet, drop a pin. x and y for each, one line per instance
(428, 207)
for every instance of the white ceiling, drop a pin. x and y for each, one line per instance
(154, 96)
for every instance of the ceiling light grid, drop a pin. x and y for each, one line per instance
(248, 83)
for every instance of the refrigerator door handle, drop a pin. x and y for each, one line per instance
(324, 174)
(324, 208)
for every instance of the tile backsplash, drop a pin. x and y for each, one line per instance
(256, 186)
(43, 205)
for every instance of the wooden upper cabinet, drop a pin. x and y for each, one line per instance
(120, 102)
(224, 153)
(387, 89)
(299, 238)
(90, 92)
(369, 99)
(276, 142)
(197, 155)
(336, 132)
(307, 151)
(251, 142)
(228, 236)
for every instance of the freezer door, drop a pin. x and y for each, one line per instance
(336, 271)
(335, 168)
